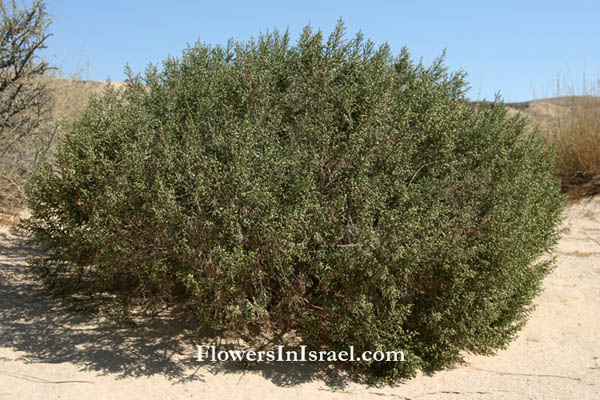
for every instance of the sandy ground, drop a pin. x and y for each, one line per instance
(48, 353)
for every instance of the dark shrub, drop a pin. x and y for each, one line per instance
(326, 188)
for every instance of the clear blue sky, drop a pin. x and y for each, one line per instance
(518, 48)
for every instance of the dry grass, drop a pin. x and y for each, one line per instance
(571, 122)
(573, 126)
(577, 138)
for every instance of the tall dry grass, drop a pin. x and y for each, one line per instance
(574, 128)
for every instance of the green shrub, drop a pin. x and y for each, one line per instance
(324, 188)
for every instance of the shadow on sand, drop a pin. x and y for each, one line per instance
(35, 324)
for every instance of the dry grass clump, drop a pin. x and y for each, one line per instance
(574, 128)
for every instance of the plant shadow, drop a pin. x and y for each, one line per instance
(34, 323)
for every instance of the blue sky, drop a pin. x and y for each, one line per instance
(517, 48)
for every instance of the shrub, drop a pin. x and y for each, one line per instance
(324, 188)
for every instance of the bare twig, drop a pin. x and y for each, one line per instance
(419, 170)
(521, 374)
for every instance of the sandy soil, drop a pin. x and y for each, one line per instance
(48, 353)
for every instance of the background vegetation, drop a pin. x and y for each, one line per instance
(24, 94)
(36, 101)
(575, 129)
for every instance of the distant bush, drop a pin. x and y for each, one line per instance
(324, 188)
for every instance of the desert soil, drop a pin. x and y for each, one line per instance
(49, 353)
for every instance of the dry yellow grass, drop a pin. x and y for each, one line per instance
(572, 123)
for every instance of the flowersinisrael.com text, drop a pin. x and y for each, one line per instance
(210, 353)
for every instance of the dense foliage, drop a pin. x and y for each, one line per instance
(325, 187)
